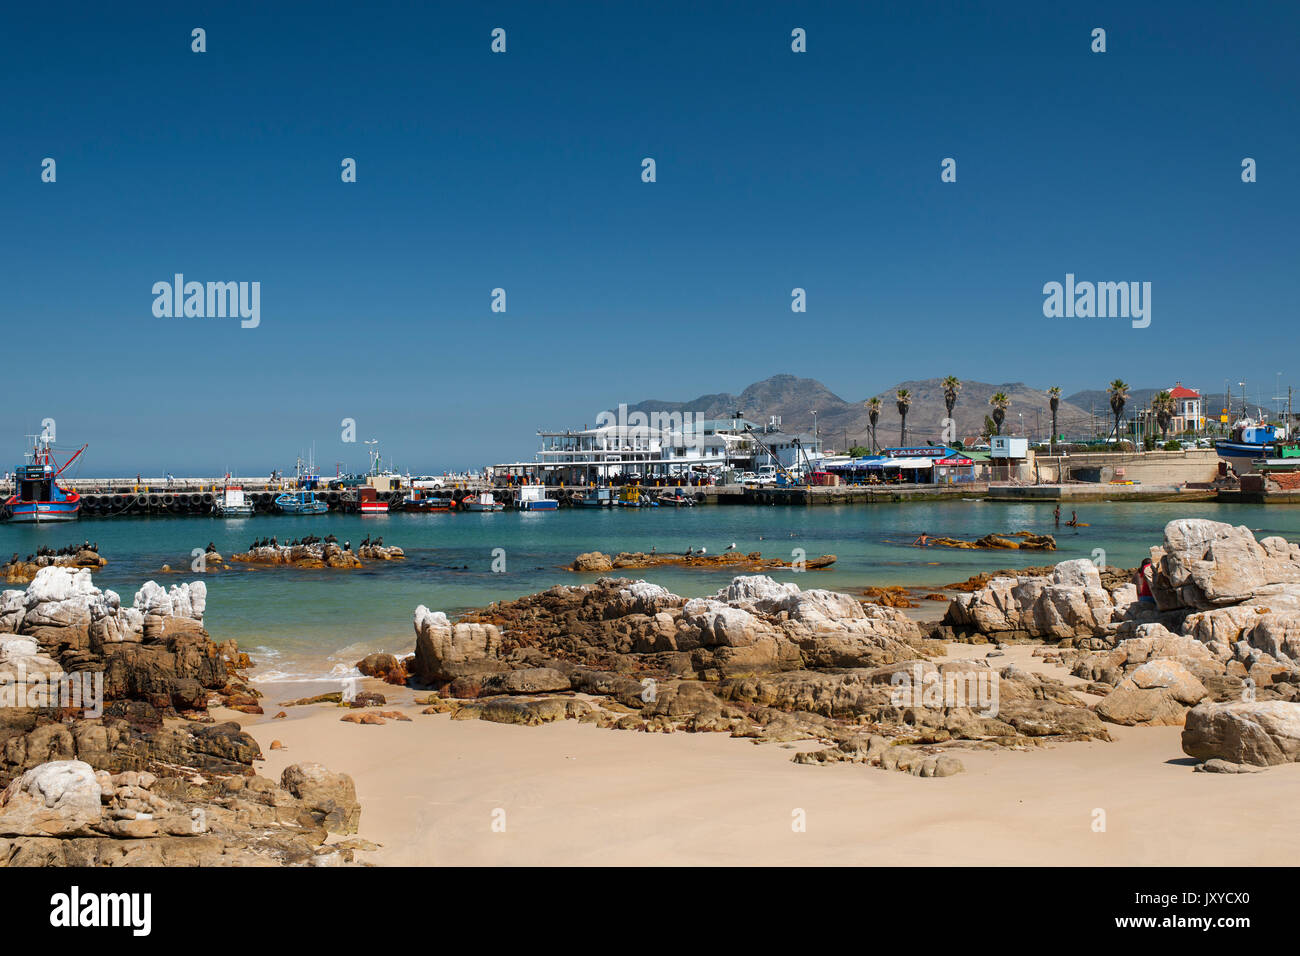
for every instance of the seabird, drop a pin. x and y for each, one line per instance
(704, 550)
(347, 545)
(730, 547)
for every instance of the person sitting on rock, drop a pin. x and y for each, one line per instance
(1143, 581)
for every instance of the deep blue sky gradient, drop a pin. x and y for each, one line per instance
(522, 170)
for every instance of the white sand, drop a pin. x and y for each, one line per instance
(576, 794)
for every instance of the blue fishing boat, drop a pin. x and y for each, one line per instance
(37, 496)
(1248, 443)
(303, 501)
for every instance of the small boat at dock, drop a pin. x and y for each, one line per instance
(483, 502)
(533, 498)
(231, 503)
(633, 497)
(419, 502)
(595, 498)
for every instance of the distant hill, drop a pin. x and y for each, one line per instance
(843, 423)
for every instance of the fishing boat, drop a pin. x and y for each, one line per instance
(533, 498)
(231, 503)
(633, 497)
(419, 502)
(678, 500)
(1249, 442)
(484, 502)
(37, 496)
(596, 498)
(303, 501)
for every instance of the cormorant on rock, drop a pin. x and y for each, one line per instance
(690, 551)
(366, 542)
(14, 559)
(379, 542)
(273, 542)
(29, 559)
(95, 547)
(330, 539)
(85, 546)
(347, 545)
(210, 549)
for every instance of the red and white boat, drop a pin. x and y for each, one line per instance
(368, 502)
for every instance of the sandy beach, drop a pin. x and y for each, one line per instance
(432, 789)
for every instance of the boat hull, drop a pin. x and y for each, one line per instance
(233, 511)
(33, 512)
(1241, 455)
(544, 505)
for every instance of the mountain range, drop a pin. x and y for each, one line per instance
(842, 423)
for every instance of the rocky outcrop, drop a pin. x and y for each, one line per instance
(1070, 605)
(596, 562)
(759, 659)
(150, 778)
(1224, 624)
(1009, 541)
(66, 813)
(318, 555)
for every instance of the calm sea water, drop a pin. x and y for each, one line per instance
(310, 623)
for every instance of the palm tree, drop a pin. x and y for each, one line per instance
(1053, 399)
(1000, 402)
(1163, 405)
(1118, 396)
(904, 399)
(873, 413)
(951, 386)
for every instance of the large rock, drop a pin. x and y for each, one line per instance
(1207, 564)
(60, 798)
(1261, 733)
(445, 651)
(1155, 693)
(330, 798)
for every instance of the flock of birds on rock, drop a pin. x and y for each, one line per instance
(273, 542)
(66, 552)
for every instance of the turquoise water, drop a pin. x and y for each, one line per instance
(304, 623)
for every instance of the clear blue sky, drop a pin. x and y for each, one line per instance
(522, 170)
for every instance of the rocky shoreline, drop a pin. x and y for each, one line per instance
(109, 755)
(156, 778)
(1216, 651)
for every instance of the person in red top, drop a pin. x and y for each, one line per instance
(1144, 582)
